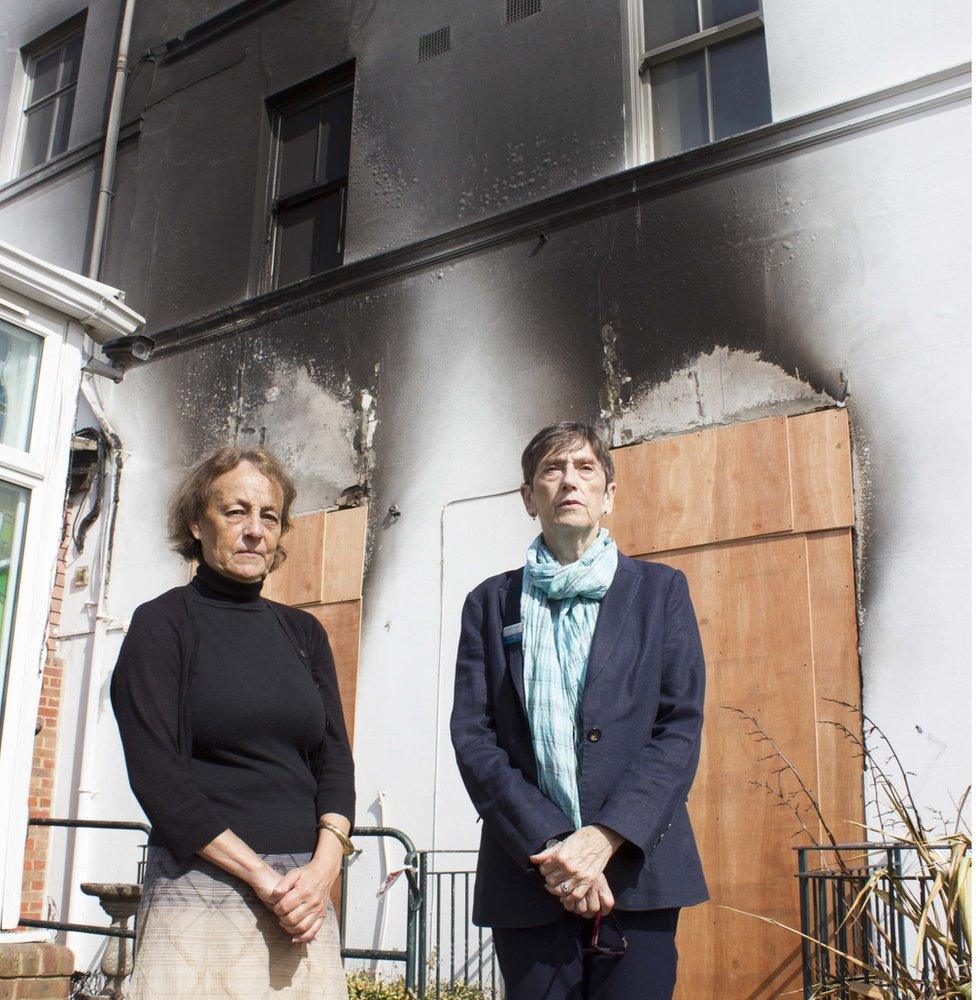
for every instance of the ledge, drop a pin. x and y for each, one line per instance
(206, 31)
(779, 139)
(35, 960)
(64, 162)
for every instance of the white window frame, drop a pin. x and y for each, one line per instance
(30, 54)
(40, 470)
(640, 139)
(31, 461)
(66, 309)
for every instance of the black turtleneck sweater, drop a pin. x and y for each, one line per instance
(229, 712)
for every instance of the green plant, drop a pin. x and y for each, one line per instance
(362, 986)
(941, 863)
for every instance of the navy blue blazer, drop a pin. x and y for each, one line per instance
(641, 724)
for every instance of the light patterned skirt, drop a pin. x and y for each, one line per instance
(204, 935)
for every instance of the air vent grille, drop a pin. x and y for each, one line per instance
(434, 43)
(518, 10)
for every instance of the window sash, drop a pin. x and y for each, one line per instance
(49, 98)
(314, 191)
(701, 40)
(310, 198)
(62, 92)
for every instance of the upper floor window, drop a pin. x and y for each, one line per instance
(311, 138)
(52, 76)
(705, 63)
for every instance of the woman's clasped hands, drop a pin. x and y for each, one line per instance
(300, 897)
(573, 870)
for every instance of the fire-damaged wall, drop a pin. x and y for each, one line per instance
(824, 277)
(823, 263)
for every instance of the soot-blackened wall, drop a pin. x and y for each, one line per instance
(510, 113)
(821, 276)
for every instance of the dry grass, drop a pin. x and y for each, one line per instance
(932, 892)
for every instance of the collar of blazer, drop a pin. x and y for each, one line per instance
(609, 622)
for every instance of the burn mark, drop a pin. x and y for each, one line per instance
(615, 393)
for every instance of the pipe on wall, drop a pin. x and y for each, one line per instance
(109, 154)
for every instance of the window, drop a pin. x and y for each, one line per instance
(52, 76)
(705, 63)
(311, 138)
(20, 360)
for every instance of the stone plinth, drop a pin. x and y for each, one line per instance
(35, 970)
(120, 900)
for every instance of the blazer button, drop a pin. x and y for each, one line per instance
(594, 735)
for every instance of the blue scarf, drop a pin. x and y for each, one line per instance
(559, 608)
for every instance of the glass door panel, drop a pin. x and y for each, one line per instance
(13, 516)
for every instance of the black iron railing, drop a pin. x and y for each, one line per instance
(852, 916)
(452, 949)
(89, 824)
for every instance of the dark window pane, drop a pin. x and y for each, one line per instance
(740, 85)
(44, 75)
(718, 11)
(66, 104)
(667, 20)
(336, 124)
(37, 132)
(329, 242)
(309, 237)
(299, 136)
(296, 242)
(72, 57)
(679, 104)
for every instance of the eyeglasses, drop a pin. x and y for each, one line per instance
(595, 948)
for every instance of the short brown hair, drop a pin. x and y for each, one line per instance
(193, 494)
(561, 437)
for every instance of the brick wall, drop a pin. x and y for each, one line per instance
(41, 791)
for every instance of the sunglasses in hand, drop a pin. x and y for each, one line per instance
(595, 948)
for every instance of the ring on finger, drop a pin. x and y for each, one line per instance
(565, 888)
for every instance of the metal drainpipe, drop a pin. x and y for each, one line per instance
(107, 180)
(87, 763)
(86, 766)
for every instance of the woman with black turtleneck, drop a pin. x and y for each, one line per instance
(232, 727)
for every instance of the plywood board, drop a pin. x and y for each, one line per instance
(342, 624)
(345, 547)
(830, 565)
(820, 470)
(298, 580)
(752, 602)
(696, 489)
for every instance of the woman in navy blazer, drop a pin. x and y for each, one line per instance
(582, 905)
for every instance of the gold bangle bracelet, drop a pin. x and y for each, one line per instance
(347, 845)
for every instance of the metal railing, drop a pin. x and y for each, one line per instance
(415, 906)
(443, 947)
(842, 915)
(89, 824)
(452, 950)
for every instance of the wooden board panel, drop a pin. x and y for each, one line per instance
(820, 470)
(298, 580)
(753, 609)
(342, 624)
(696, 489)
(830, 564)
(345, 547)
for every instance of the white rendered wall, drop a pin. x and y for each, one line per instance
(824, 51)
